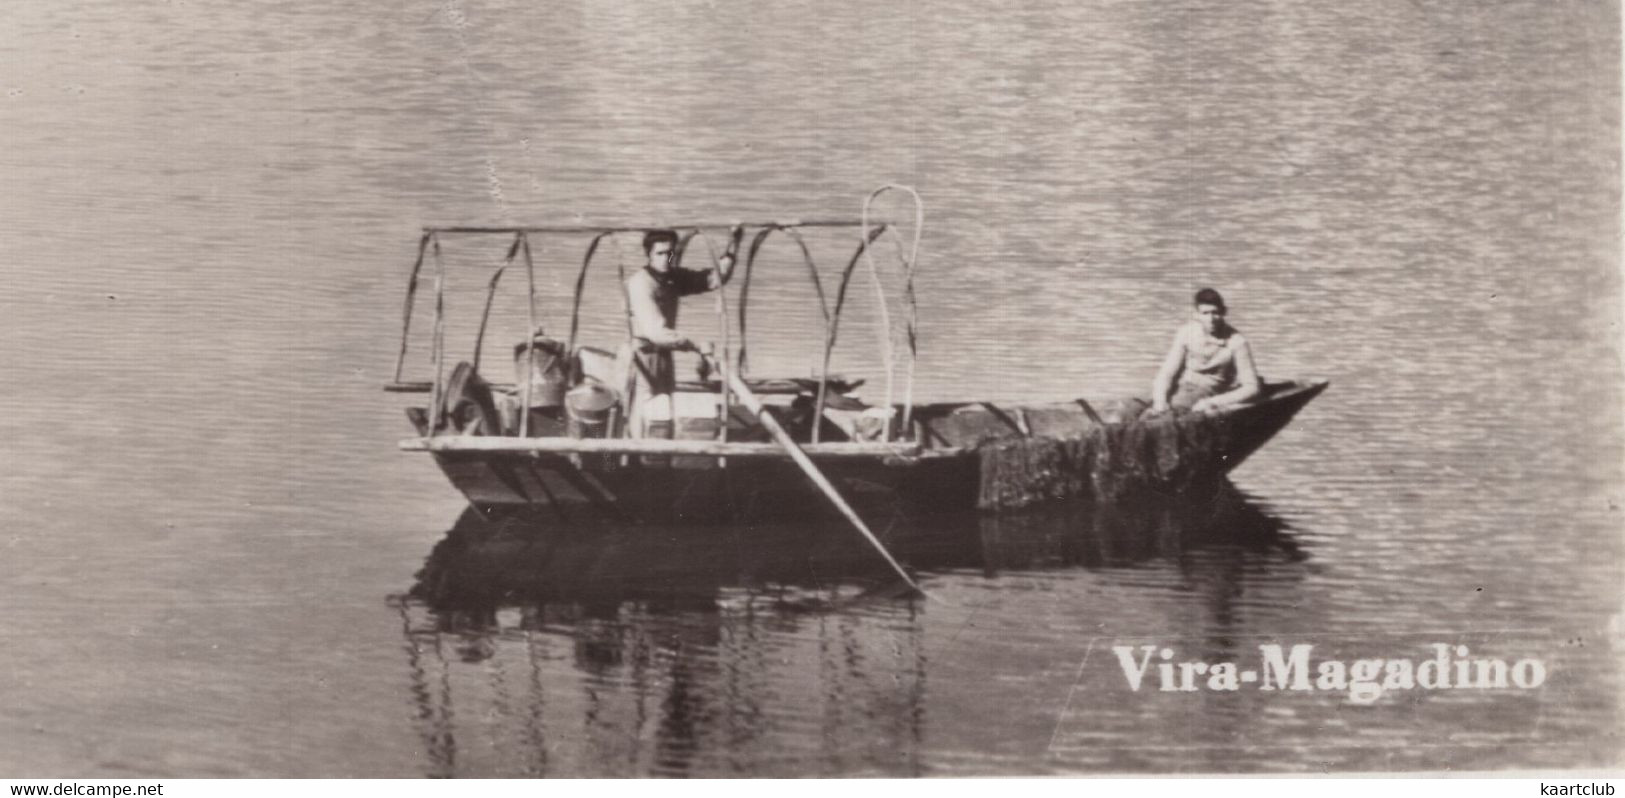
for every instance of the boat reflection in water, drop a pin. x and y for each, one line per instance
(763, 650)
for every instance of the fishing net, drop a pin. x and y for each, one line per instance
(1111, 462)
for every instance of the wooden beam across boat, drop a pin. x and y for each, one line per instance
(584, 228)
(647, 446)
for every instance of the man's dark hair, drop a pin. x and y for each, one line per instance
(1208, 296)
(653, 237)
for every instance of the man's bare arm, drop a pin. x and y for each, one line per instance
(725, 264)
(1172, 363)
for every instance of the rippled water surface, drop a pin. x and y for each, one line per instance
(217, 564)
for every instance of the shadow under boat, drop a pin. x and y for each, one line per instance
(525, 555)
(535, 649)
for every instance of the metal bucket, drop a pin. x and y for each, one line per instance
(587, 410)
(547, 372)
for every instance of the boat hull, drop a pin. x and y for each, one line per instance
(717, 491)
(976, 456)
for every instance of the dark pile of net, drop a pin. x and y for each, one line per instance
(1165, 454)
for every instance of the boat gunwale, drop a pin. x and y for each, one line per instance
(503, 444)
(898, 451)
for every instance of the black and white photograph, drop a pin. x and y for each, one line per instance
(408, 389)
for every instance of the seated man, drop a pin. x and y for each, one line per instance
(652, 296)
(1210, 360)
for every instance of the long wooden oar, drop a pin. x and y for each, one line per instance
(752, 403)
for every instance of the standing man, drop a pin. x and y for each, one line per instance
(652, 296)
(1211, 361)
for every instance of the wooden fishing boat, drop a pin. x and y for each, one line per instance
(733, 446)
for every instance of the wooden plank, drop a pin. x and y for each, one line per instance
(408, 387)
(578, 228)
(499, 444)
(782, 387)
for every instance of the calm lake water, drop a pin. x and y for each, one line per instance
(212, 545)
